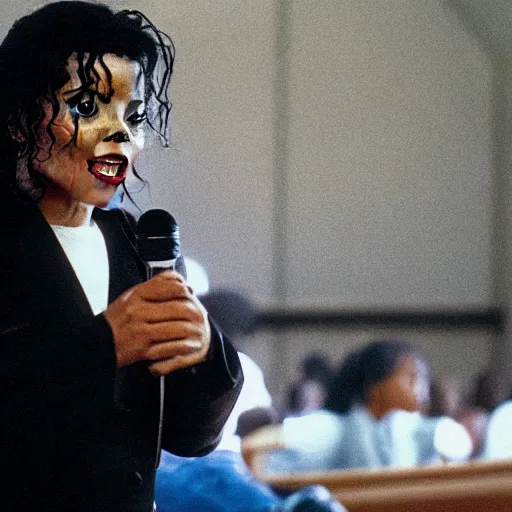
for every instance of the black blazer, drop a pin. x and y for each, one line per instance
(77, 433)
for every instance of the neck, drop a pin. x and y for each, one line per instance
(64, 211)
(377, 409)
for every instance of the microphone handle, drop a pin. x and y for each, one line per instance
(154, 268)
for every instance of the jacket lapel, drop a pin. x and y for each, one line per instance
(126, 268)
(50, 283)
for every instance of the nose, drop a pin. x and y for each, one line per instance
(119, 136)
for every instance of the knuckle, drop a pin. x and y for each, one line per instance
(143, 333)
(130, 311)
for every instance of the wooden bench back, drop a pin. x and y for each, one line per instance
(472, 487)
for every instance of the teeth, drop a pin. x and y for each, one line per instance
(108, 170)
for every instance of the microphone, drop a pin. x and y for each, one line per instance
(158, 245)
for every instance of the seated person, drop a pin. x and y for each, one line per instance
(309, 391)
(475, 420)
(445, 397)
(498, 440)
(371, 420)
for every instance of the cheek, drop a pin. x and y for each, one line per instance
(139, 140)
(136, 147)
(50, 148)
(410, 397)
(87, 137)
(63, 128)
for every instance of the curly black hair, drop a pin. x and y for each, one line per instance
(33, 61)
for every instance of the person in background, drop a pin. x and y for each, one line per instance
(447, 400)
(498, 441)
(309, 392)
(85, 340)
(445, 397)
(487, 391)
(371, 419)
(475, 420)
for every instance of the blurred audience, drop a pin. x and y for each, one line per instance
(487, 391)
(232, 310)
(309, 391)
(475, 420)
(371, 419)
(445, 397)
(253, 419)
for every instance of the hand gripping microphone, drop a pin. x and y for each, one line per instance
(158, 245)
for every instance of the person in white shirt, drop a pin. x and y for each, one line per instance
(498, 441)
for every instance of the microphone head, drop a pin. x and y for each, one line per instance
(158, 236)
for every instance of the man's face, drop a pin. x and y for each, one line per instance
(87, 166)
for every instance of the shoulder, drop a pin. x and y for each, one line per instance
(502, 412)
(114, 215)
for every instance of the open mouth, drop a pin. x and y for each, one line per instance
(110, 169)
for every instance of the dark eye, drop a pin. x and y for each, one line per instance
(137, 118)
(85, 106)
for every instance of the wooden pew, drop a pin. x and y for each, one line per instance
(472, 487)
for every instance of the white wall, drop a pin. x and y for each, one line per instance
(390, 157)
(218, 182)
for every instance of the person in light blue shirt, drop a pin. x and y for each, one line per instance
(371, 419)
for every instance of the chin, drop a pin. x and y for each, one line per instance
(103, 197)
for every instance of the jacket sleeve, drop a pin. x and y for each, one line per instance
(50, 342)
(198, 400)
(52, 367)
(56, 386)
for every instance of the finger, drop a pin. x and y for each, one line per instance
(174, 331)
(176, 309)
(171, 349)
(162, 288)
(176, 363)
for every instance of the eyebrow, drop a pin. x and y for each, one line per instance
(74, 92)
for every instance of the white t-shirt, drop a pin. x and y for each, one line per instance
(87, 252)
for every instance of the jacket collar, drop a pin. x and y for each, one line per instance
(51, 286)
(46, 275)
